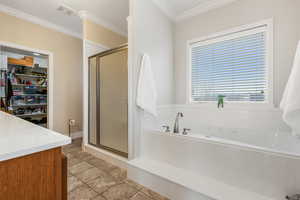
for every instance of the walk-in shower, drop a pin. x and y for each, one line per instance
(108, 100)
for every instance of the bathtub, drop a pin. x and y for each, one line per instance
(260, 129)
(218, 162)
(277, 142)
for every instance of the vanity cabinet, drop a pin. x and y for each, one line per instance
(37, 176)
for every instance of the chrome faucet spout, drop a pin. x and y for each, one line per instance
(176, 125)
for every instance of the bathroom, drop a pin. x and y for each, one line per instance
(150, 100)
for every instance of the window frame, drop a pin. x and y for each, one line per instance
(267, 26)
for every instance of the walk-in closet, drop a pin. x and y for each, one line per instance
(24, 84)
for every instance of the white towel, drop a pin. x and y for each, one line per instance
(146, 91)
(290, 103)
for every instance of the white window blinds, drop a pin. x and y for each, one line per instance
(233, 66)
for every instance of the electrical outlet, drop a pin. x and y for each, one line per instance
(72, 122)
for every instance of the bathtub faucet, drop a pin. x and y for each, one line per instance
(176, 125)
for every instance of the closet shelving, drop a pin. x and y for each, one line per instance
(23, 85)
(29, 98)
(26, 85)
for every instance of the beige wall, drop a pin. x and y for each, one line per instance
(67, 53)
(101, 35)
(286, 35)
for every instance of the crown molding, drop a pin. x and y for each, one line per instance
(202, 8)
(86, 15)
(162, 5)
(36, 20)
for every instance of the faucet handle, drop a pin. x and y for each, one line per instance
(180, 114)
(166, 129)
(186, 131)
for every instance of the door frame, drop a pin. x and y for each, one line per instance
(100, 48)
(50, 75)
(98, 56)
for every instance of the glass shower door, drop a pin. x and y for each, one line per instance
(110, 94)
(93, 136)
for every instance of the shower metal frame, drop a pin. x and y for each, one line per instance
(98, 56)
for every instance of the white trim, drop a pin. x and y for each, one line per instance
(25, 16)
(76, 135)
(199, 9)
(202, 8)
(86, 15)
(134, 114)
(162, 5)
(230, 35)
(50, 75)
(268, 24)
(86, 86)
(51, 91)
(229, 107)
(85, 100)
(131, 86)
(95, 44)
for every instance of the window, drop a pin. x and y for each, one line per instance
(235, 65)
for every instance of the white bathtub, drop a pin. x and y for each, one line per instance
(278, 142)
(215, 168)
(218, 162)
(259, 129)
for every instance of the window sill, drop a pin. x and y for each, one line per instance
(229, 106)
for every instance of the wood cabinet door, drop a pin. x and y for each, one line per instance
(34, 177)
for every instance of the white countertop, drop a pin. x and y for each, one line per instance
(19, 138)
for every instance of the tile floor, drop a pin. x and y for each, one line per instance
(90, 178)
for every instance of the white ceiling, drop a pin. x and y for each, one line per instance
(112, 13)
(182, 9)
(177, 7)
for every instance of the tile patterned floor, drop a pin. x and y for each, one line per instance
(90, 178)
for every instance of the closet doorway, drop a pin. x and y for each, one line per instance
(27, 83)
